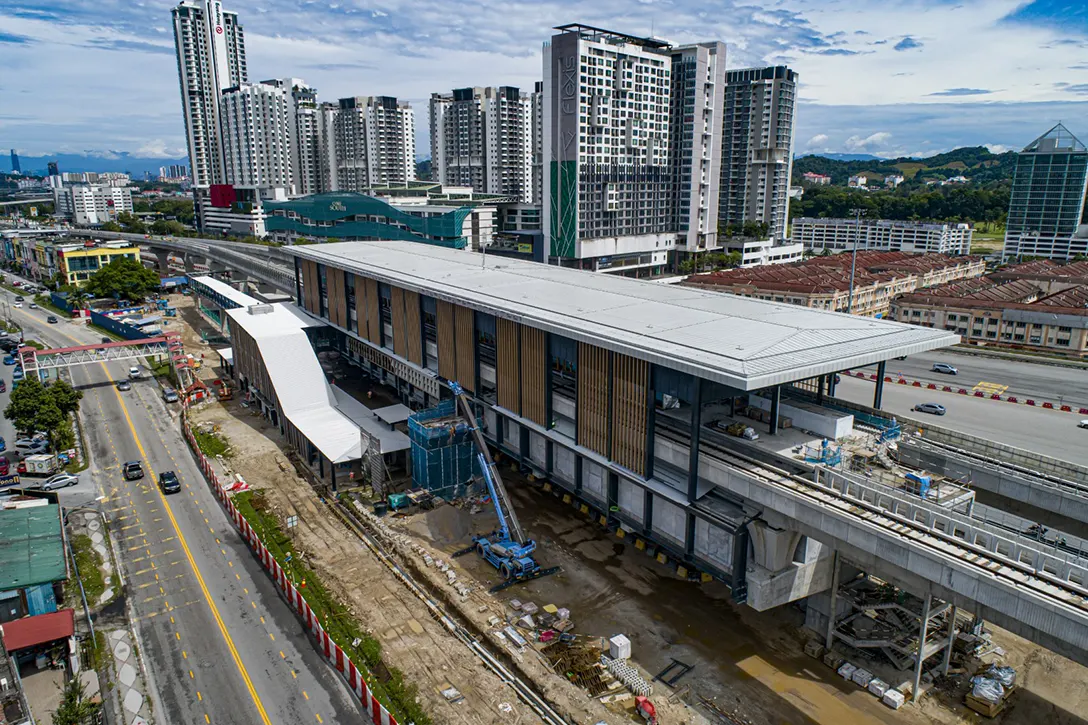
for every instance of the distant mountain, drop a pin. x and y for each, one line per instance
(975, 162)
(844, 157)
(423, 169)
(134, 165)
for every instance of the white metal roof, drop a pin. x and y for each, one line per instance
(739, 341)
(240, 298)
(388, 440)
(306, 398)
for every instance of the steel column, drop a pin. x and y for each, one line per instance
(693, 456)
(921, 650)
(878, 395)
(776, 403)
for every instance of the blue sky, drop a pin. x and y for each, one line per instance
(905, 77)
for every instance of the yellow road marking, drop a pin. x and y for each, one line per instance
(199, 696)
(318, 717)
(305, 695)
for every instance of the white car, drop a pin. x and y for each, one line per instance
(18, 305)
(134, 372)
(1083, 423)
(61, 480)
(33, 306)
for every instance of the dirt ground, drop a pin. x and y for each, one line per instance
(749, 663)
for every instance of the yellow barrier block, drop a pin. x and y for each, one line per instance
(662, 558)
(566, 498)
(705, 578)
(531, 477)
(584, 509)
(682, 572)
(547, 486)
(603, 521)
(620, 533)
(640, 544)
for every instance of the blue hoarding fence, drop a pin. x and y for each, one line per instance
(117, 327)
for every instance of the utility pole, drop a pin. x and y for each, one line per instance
(858, 213)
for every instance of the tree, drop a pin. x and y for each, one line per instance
(74, 708)
(110, 227)
(168, 228)
(123, 277)
(32, 408)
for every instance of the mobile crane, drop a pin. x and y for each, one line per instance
(507, 549)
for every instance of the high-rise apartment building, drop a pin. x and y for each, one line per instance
(757, 147)
(257, 136)
(1046, 205)
(538, 144)
(303, 119)
(608, 192)
(325, 131)
(483, 138)
(375, 142)
(698, 90)
(211, 58)
(174, 171)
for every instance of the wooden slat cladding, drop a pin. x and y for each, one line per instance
(507, 365)
(413, 327)
(593, 398)
(400, 336)
(447, 357)
(312, 291)
(466, 347)
(338, 304)
(534, 369)
(373, 315)
(630, 378)
(360, 307)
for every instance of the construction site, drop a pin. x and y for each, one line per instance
(606, 629)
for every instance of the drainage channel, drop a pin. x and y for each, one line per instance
(525, 692)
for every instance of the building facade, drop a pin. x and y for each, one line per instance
(211, 57)
(75, 263)
(483, 138)
(608, 193)
(92, 204)
(538, 144)
(840, 235)
(257, 136)
(374, 139)
(303, 124)
(698, 93)
(1046, 205)
(757, 147)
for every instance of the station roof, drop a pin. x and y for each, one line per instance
(31, 547)
(741, 342)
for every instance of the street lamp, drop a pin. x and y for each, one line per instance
(858, 214)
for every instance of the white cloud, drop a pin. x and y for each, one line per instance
(998, 148)
(157, 149)
(818, 140)
(869, 143)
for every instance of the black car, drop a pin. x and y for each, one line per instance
(168, 482)
(132, 470)
(52, 319)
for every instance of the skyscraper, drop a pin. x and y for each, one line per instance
(608, 192)
(538, 144)
(16, 167)
(257, 136)
(698, 89)
(375, 142)
(302, 120)
(1046, 205)
(482, 138)
(757, 147)
(54, 170)
(211, 58)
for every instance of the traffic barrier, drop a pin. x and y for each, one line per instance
(902, 381)
(946, 389)
(1066, 409)
(995, 396)
(376, 712)
(1048, 405)
(1030, 401)
(1083, 411)
(872, 376)
(979, 394)
(931, 386)
(963, 391)
(916, 384)
(1012, 399)
(887, 378)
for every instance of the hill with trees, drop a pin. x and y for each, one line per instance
(977, 163)
(935, 203)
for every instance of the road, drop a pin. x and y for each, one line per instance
(1024, 379)
(220, 644)
(1048, 432)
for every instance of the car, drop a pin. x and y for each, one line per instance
(931, 408)
(132, 470)
(18, 298)
(17, 374)
(61, 480)
(3, 443)
(134, 372)
(52, 319)
(10, 360)
(30, 446)
(170, 395)
(945, 368)
(3, 386)
(33, 305)
(18, 305)
(901, 357)
(123, 385)
(169, 483)
(16, 283)
(1083, 423)
(5, 466)
(107, 339)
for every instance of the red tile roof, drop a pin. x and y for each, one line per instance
(39, 629)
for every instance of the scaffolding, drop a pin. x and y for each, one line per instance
(444, 458)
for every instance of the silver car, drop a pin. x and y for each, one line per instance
(931, 408)
(61, 480)
(944, 368)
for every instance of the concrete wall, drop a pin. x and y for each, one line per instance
(593, 481)
(828, 424)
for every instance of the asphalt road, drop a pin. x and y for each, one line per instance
(1048, 432)
(1024, 379)
(220, 644)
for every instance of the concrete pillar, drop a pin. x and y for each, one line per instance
(776, 403)
(190, 263)
(878, 394)
(832, 384)
(836, 569)
(162, 261)
(780, 571)
(921, 650)
(951, 639)
(696, 426)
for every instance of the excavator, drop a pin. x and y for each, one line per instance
(507, 549)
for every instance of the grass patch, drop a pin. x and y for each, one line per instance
(106, 333)
(211, 444)
(387, 683)
(46, 303)
(89, 563)
(34, 344)
(75, 467)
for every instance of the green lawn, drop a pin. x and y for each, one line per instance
(89, 562)
(211, 444)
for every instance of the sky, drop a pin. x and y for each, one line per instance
(885, 77)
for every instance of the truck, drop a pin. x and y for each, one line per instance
(41, 464)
